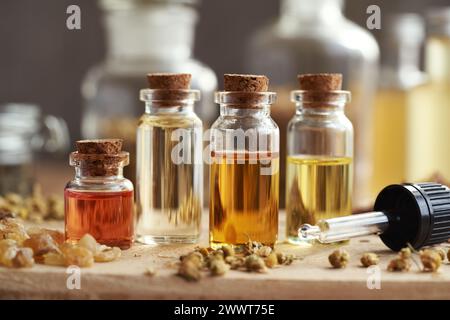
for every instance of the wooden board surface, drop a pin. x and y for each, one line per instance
(309, 278)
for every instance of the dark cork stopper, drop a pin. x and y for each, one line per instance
(320, 82)
(97, 158)
(245, 83)
(169, 81)
(100, 146)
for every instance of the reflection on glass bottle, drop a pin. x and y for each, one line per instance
(312, 37)
(142, 36)
(400, 73)
(429, 129)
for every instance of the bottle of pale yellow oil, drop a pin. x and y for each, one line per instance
(400, 73)
(320, 154)
(429, 118)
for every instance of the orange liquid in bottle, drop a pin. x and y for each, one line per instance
(107, 216)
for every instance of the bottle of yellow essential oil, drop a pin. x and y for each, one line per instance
(320, 153)
(244, 177)
(169, 162)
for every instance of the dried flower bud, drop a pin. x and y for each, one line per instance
(189, 270)
(228, 251)
(431, 260)
(235, 262)
(255, 263)
(194, 257)
(339, 258)
(218, 267)
(399, 264)
(271, 260)
(264, 251)
(405, 253)
(369, 259)
(442, 253)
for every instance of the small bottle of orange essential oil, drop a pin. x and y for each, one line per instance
(99, 200)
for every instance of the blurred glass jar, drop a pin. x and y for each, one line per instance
(143, 36)
(23, 132)
(315, 37)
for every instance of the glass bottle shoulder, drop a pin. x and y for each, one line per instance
(338, 122)
(170, 120)
(100, 185)
(227, 122)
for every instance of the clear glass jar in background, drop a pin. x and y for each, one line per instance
(142, 36)
(24, 132)
(169, 193)
(244, 172)
(313, 37)
(401, 45)
(429, 106)
(319, 173)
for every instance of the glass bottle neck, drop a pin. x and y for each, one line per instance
(154, 108)
(233, 111)
(153, 31)
(307, 10)
(82, 174)
(328, 110)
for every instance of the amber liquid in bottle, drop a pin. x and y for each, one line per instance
(318, 188)
(244, 202)
(107, 216)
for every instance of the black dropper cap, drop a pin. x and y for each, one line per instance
(419, 214)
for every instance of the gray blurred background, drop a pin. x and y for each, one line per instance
(44, 63)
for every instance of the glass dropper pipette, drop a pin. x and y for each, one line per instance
(416, 214)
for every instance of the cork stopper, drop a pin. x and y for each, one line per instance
(169, 81)
(100, 146)
(245, 83)
(99, 158)
(320, 81)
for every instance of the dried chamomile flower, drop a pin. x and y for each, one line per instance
(369, 259)
(254, 263)
(339, 258)
(189, 270)
(235, 262)
(204, 251)
(228, 251)
(108, 254)
(55, 207)
(399, 264)
(442, 253)
(194, 257)
(218, 267)
(264, 251)
(431, 260)
(405, 253)
(5, 213)
(271, 260)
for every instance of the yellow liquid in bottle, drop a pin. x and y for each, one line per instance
(429, 117)
(244, 202)
(317, 188)
(389, 153)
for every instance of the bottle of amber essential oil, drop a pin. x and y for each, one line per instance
(320, 153)
(244, 177)
(99, 200)
(169, 162)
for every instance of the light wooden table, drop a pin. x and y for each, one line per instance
(309, 278)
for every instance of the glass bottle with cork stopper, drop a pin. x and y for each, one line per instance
(320, 153)
(99, 200)
(244, 176)
(169, 162)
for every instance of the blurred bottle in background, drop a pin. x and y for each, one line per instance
(24, 132)
(315, 37)
(401, 42)
(143, 36)
(429, 116)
